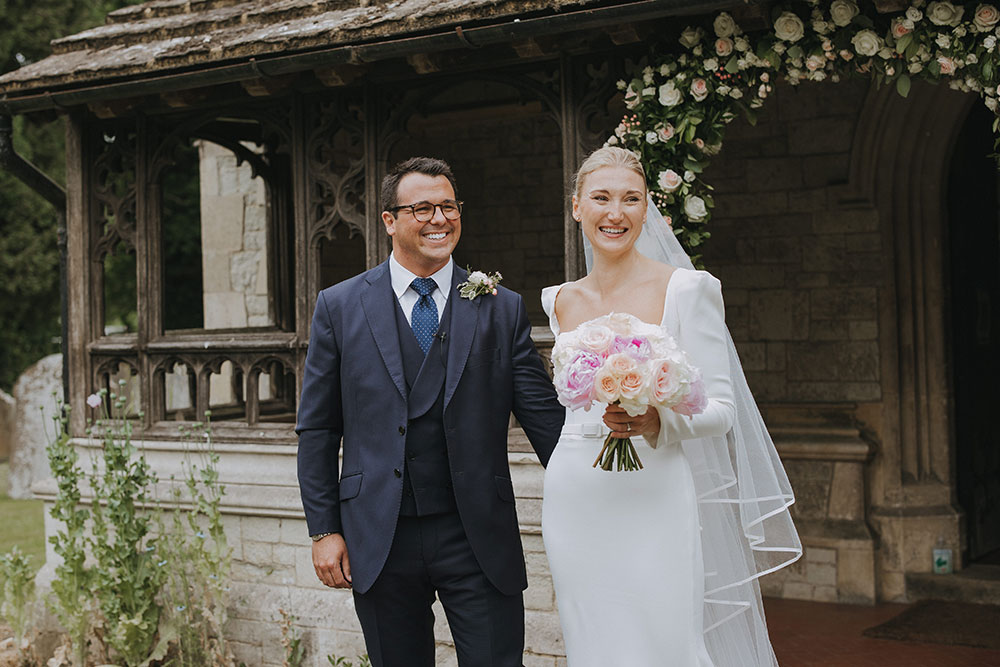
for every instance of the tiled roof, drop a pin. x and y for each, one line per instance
(168, 35)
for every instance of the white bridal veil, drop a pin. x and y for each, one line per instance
(743, 500)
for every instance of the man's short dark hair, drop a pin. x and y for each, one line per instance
(422, 165)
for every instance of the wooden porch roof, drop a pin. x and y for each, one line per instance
(162, 37)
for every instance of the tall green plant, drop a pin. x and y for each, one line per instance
(196, 594)
(129, 571)
(71, 601)
(17, 596)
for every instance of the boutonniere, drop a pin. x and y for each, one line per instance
(479, 283)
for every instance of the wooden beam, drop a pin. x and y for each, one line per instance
(113, 108)
(267, 86)
(339, 75)
(183, 99)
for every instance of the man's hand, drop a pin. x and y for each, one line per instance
(624, 426)
(330, 561)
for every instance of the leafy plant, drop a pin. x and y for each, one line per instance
(71, 600)
(363, 661)
(291, 640)
(17, 596)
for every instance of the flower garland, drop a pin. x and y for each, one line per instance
(679, 104)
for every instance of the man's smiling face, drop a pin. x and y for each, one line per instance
(422, 247)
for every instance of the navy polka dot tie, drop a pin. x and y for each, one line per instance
(424, 317)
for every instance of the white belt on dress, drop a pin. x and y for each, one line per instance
(597, 430)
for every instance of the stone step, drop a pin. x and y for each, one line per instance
(977, 583)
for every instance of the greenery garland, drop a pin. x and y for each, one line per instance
(680, 103)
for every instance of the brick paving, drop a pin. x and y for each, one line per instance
(819, 634)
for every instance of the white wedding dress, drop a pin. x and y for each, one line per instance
(625, 548)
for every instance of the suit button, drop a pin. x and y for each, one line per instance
(397, 473)
(402, 430)
(412, 457)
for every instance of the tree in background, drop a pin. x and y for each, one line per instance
(29, 254)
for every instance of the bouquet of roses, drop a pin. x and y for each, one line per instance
(620, 359)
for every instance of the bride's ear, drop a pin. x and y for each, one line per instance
(576, 209)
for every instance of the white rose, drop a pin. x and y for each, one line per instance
(612, 141)
(478, 277)
(971, 59)
(846, 55)
(736, 93)
(665, 132)
(651, 137)
(986, 17)
(724, 25)
(914, 14)
(665, 69)
(889, 71)
(947, 65)
(691, 36)
(867, 43)
(944, 13)
(711, 64)
(990, 43)
(944, 41)
(821, 27)
(817, 76)
(741, 44)
(723, 46)
(722, 90)
(843, 12)
(647, 75)
(649, 92)
(696, 50)
(789, 27)
(959, 31)
(670, 95)
(991, 103)
(631, 98)
(778, 48)
(689, 175)
(669, 180)
(694, 209)
(814, 63)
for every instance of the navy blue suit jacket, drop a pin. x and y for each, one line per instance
(354, 392)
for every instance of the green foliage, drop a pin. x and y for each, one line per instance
(29, 255)
(291, 640)
(195, 597)
(17, 594)
(70, 600)
(128, 571)
(363, 661)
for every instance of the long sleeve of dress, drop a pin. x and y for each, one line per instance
(702, 335)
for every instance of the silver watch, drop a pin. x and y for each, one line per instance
(320, 536)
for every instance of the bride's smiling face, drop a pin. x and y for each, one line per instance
(610, 205)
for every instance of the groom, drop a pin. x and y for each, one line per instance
(419, 383)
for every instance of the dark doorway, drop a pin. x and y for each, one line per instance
(974, 239)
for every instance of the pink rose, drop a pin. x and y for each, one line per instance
(665, 132)
(597, 338)
(986, 17)
(637, 348)
(947, 65)
(669, 180)
(665, 384)
(846, 55)
(699, 89)
(575, 385)
(724, 46)
(814, 63)
(695, 402)
(607, 388)
(899, 28)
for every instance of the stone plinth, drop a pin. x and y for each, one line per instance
(35, 394)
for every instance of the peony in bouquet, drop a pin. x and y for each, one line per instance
(620, 359)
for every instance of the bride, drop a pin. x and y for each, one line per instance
(659, 566)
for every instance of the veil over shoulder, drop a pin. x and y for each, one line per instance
(743, 500)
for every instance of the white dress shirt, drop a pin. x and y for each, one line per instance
(408, 297)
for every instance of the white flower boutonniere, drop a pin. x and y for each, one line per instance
(479, 283)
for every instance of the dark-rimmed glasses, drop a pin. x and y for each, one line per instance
(423, 211)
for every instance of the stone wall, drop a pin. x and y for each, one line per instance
(35, 396)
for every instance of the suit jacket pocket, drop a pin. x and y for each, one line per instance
(350, 486)
(505, 489)
(485, 357)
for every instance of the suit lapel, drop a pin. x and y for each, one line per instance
(379, 304)
(462, 330)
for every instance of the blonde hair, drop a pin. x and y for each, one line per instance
(608, 156)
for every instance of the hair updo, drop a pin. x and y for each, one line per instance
(609, 156)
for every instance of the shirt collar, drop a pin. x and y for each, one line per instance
(401, 277)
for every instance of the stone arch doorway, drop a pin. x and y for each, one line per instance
(974, 271)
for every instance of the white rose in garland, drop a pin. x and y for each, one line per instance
(867, 43)
(669, 180)
(670, 96)
(842, 12)
(724, 46)
(691, 37)
(724, 25)
(789, 27)
(694, 209)
(944, 13)
(699, 89)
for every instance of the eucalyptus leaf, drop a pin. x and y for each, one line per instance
(903, 85)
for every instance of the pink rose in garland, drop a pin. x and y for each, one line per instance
(618, 358)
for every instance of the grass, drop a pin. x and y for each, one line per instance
(21, 523)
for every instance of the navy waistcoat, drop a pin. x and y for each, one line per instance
(427, 485)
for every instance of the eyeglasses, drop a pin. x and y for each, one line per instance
(424, 211)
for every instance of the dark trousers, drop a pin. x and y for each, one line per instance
(431, 554)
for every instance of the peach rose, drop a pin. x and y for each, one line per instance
(723, 46)
(947, 65)
(607, 388)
